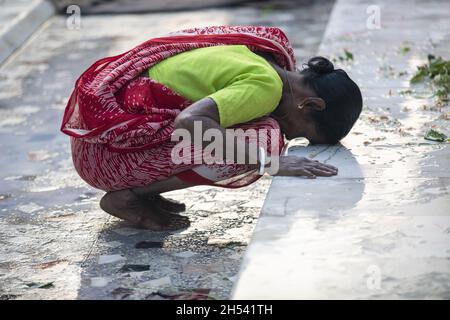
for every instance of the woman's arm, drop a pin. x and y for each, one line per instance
(205, 112)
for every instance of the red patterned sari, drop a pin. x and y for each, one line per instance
(119, 144)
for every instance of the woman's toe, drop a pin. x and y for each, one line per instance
(169, 204)
(180, 222)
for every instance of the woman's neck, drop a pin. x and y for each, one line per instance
(287, 100)
(290, 81)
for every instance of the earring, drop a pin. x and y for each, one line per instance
(301, 104)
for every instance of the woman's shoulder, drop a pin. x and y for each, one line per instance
(242, 59)
(239, 52)
(266, 56)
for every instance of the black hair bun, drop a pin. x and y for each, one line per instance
(320, 65)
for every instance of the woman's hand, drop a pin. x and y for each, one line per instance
(300, 166)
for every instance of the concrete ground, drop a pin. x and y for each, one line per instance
(55, 241)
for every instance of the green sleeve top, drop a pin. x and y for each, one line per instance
(243, 84)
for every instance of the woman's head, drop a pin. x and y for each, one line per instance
(328, 102)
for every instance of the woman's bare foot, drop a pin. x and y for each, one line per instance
(142, 212)
(168, 204)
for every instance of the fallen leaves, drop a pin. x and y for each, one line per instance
(345, 57)
(438, 71)
(404, 49)
(434, 135)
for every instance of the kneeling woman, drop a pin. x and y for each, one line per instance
(124, 110)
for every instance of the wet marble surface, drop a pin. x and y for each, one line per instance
(381, 228)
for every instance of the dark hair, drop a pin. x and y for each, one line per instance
(341, 94)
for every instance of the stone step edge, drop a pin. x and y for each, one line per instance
(23, 27)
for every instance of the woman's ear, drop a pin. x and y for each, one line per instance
(313, 102)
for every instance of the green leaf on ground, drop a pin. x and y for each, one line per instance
(434, 135)
(348, 55)
(419, 75)
(438, 71)
(404, 50)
